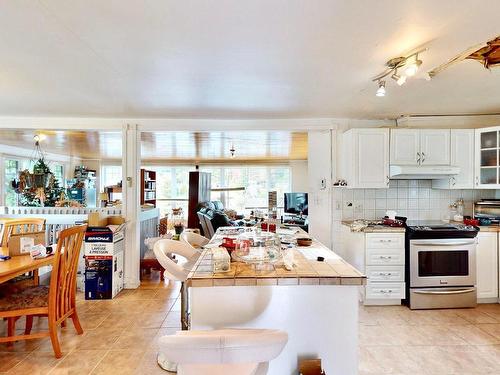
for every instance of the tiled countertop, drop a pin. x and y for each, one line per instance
(376, 228)
(306, 271)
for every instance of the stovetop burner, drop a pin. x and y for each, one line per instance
(440, 230)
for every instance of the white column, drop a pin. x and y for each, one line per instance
(319, 172)
(2, 182)
(131, 206)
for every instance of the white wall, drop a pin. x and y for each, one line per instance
(320, 169)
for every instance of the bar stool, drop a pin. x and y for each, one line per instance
(175, 271)
(194, 239)
(222, 352)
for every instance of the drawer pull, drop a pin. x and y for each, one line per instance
(385, 240)
(385, 274)
(385, 291)
(385, 257)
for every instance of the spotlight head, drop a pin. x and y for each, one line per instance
(400, 80)
(412, 68)
(381, 89)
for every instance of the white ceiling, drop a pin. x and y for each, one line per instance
(239, 59)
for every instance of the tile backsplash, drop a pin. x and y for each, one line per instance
(415, 199)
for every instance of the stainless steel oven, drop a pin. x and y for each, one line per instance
(442, 269)
(443, 262)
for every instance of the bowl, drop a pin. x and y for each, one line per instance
(304, 241)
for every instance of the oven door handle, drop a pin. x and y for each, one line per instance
(444, 243)
(444, 292)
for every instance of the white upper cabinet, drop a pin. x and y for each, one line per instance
(405, 146)
(462, 155)
(435, 147)
(366, 155)
(487, 160)
(420, 147)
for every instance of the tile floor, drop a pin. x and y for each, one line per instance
(121, 338)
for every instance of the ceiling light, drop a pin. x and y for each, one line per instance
(412, 67)
(381, 89)
(400, 79)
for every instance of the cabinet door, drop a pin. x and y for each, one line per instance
(487, 159)
(462, 155)
(487, 265)
(372, 158)
(435, 147)
(405, 146)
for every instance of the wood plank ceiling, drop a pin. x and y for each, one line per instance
(158, 147)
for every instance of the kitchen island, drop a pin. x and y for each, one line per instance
(316, 303)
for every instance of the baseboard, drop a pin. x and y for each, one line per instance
(488, 300)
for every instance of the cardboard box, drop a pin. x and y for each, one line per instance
(100, 219)
(104, 249)
(20, 243)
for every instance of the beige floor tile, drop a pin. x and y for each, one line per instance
(368, 365)
(79, 362)
(136, 338)
(68, 339)
(149, 365)
(119, 320)
(160, 305)
(394, 360)
(438, 335)
(123, 362)
(473, 335)
(475, 316)
(173, 319)
(9, 360)
(100, 339)
(36, 363)
(492, 329)
(150, 320)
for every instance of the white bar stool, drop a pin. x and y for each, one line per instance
(175, 271)
(194, 239)
(222, 352)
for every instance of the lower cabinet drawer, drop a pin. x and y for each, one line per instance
(385, 291)
(375, 257)
(385, 273)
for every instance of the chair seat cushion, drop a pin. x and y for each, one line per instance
(27, 298)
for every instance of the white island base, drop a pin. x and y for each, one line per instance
(321, 320)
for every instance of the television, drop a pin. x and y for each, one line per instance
(296, 203)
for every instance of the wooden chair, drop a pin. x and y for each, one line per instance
(57, 301)
(20, 226)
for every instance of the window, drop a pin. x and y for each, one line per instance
(257, 180)
(11, 169)
(172, 187)
(58, 170)
(111, 175)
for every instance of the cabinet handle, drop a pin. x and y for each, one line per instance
(423, 157)
(385, 240)
(418, 157)
(385, 274)
(477, 180)
(386, 291)
(453, 181)
(387, 183)
(385, 257)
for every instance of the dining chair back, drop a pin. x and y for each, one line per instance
(57, 302)
(21, 226)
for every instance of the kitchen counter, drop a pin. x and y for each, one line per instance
(490, 228)
(316, 303)
(375, 228)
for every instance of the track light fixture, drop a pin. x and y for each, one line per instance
(408, 64)
(381, 89)
(400, 79)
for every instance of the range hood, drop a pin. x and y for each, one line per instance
(422, 172)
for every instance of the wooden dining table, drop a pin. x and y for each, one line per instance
(21, 264)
